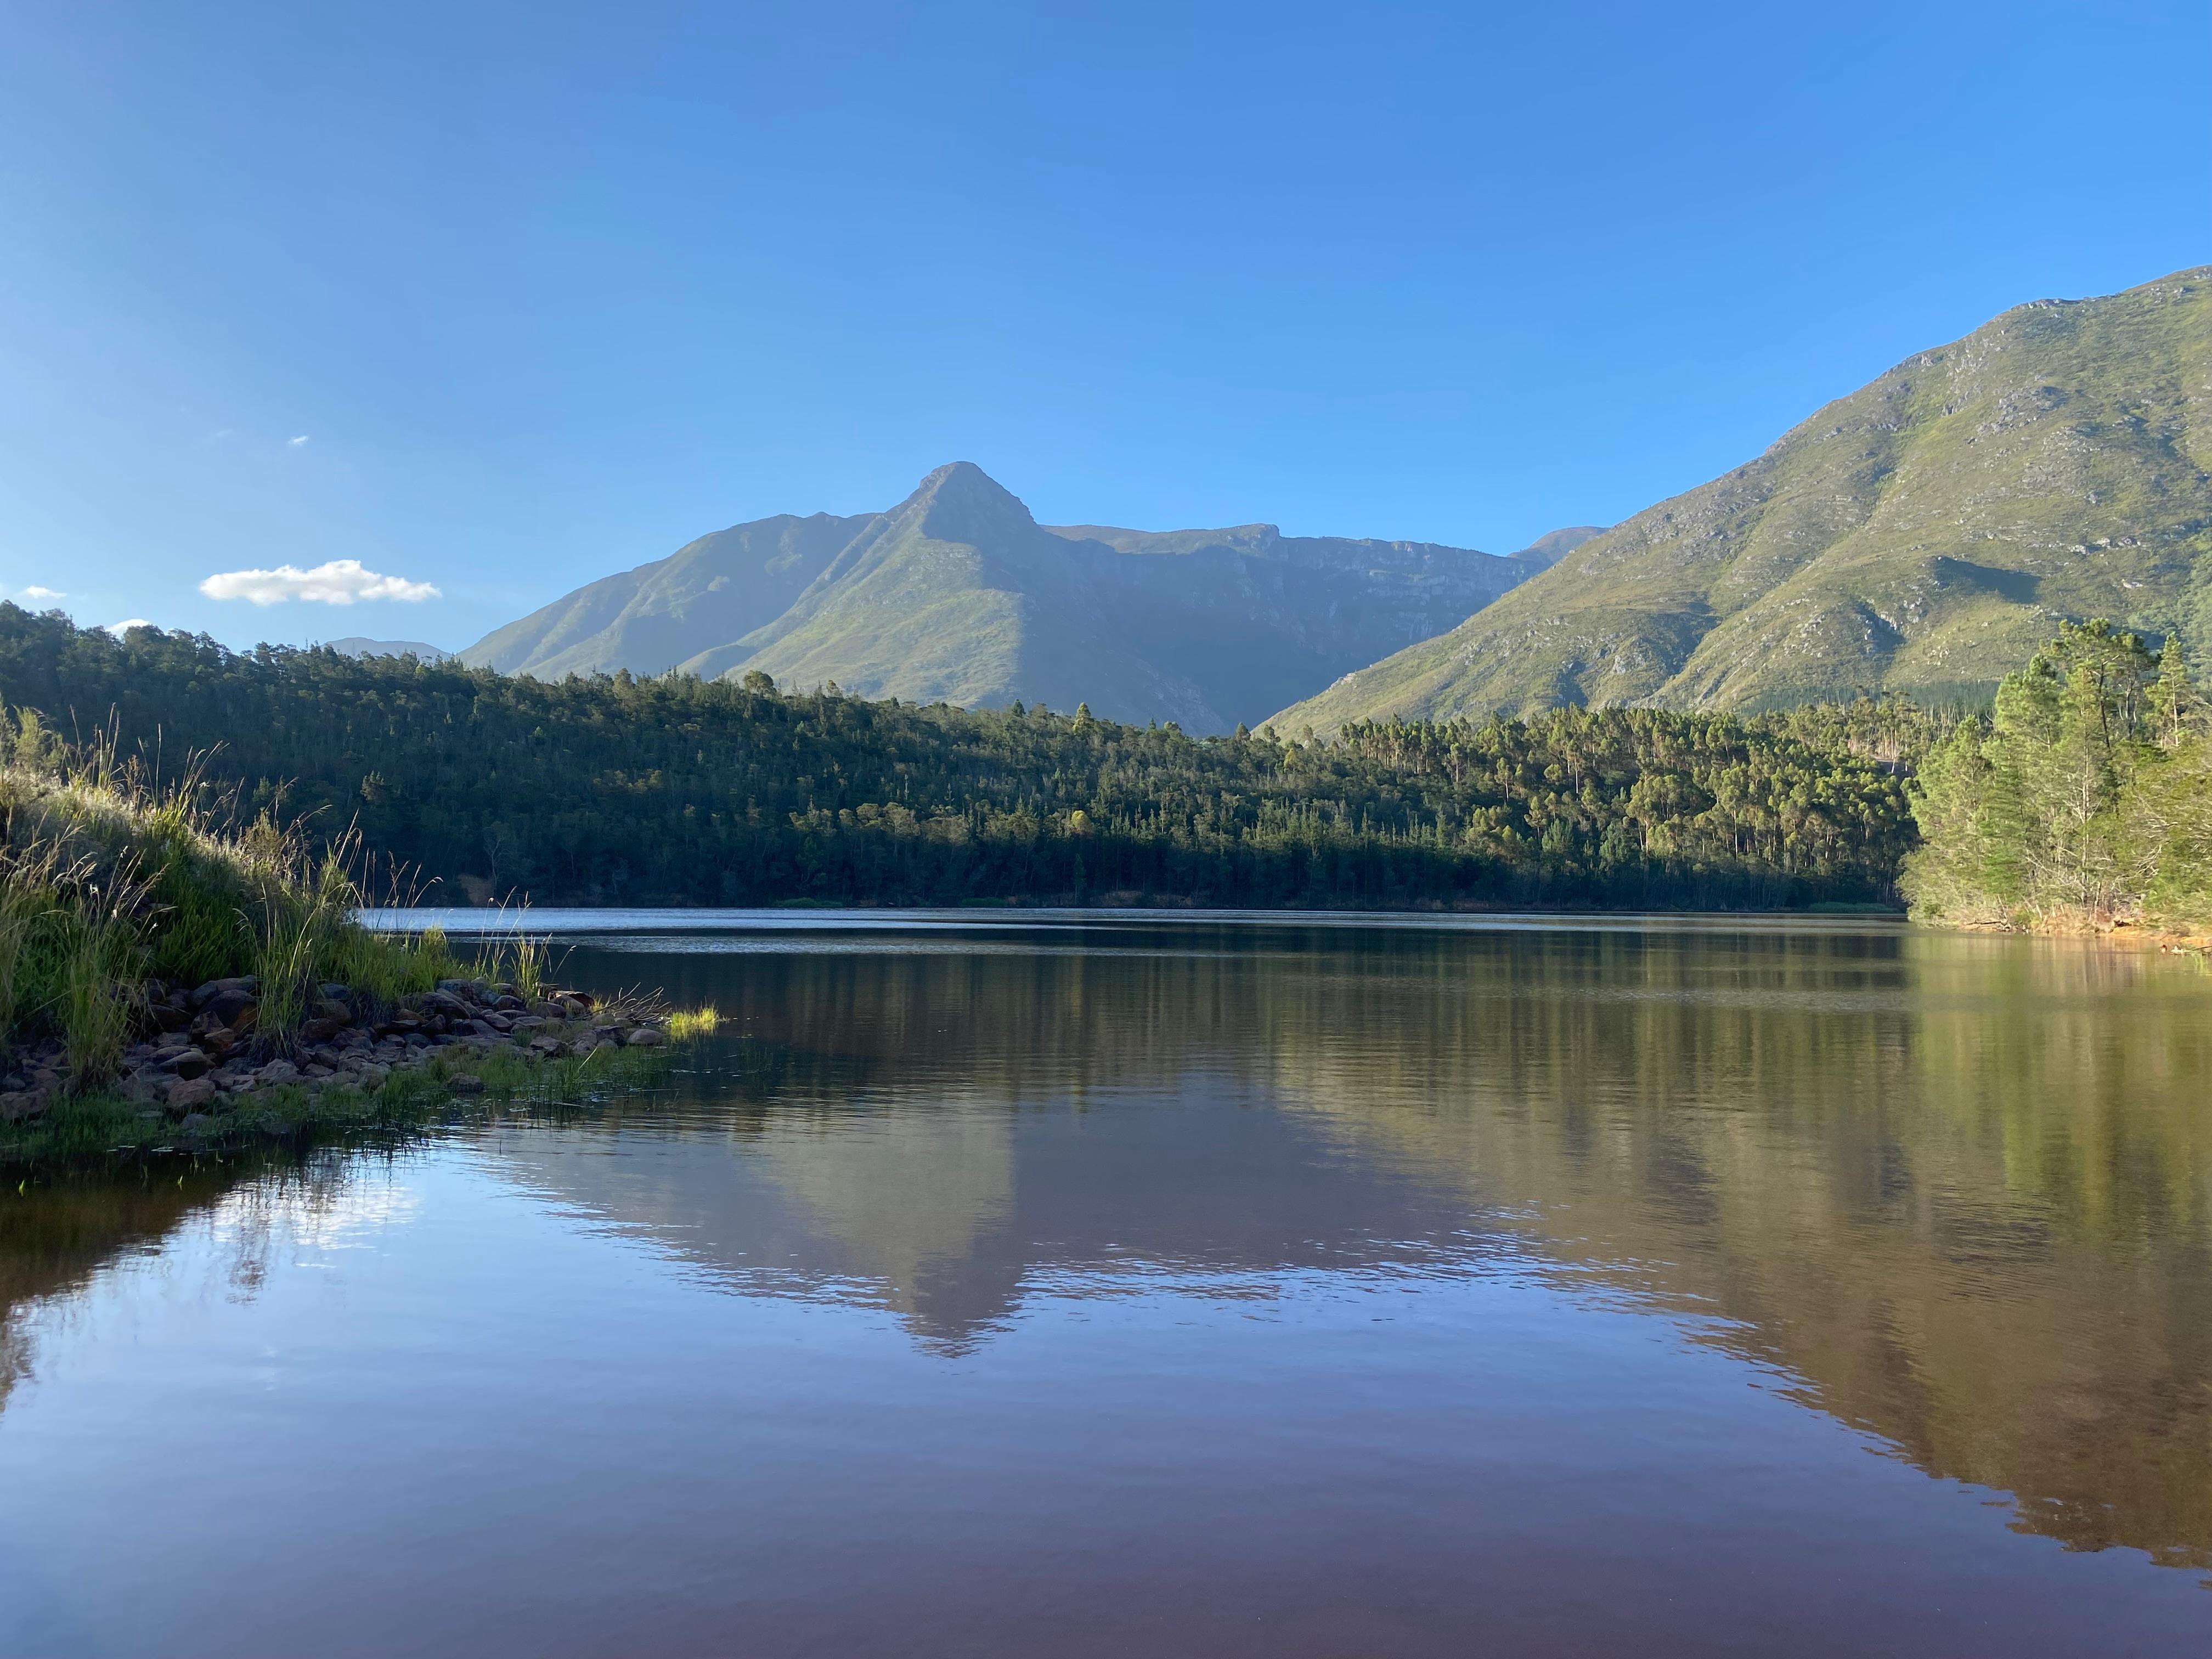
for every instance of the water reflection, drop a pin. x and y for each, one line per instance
(1955, 1191)
(1959, 1187)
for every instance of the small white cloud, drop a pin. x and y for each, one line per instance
(341, 581)
(34, 591)
(297, 442)
(122, 627)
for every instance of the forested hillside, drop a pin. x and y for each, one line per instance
(683, 791)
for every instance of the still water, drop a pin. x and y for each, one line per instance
(1109, 1285)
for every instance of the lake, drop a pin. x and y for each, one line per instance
(1021, 1283)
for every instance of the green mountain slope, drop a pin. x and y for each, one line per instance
(1922, 535)
(958, 595)
(650, 619)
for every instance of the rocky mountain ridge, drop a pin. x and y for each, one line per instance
(957, 593)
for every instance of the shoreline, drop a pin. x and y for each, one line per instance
(425, 1059)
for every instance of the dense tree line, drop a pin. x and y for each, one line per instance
(2083, 799)
(618, 790)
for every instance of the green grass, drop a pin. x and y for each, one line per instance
(106, 880)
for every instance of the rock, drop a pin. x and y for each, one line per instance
(247, 983)
(321, 1029)
(465, 1083)
(416, 1040)
(644, 1038)
(188, 1063)
(446, 1003)
(19, 1103)
(170, 1015)
(235, 1008)
(545, 1008)
(220, 1041)
(551, 1047)
(332, 1008)
(317, 1073)
(336, 993)
(194, 1121)
(189, 1094)
(278, 1071)
(376, 1072)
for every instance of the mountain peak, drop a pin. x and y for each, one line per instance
(960, 502)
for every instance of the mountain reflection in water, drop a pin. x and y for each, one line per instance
(1954, 1191)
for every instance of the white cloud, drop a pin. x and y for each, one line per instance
(297, 442)
(341, 581)
(122, 627)
(35, 591)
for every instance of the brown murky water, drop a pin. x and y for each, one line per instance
(1119, 1286)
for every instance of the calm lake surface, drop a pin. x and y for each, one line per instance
(1016, 1285)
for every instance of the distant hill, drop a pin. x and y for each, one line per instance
(355, 646)
(1922, 535)
(958, 595)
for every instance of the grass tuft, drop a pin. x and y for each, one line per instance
(687, 1022)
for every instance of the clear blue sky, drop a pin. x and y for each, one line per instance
(547, 290)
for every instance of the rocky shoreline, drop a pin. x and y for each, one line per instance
(205, 1054)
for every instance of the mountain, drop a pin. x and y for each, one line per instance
(1922, 536)
(355, 646)
(707, 594)
(957, 593)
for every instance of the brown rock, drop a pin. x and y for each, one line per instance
(189, 1063)
(19, 1104)
(278, 1071)
(188, 1094)
(644, 1038)
(465, 1083)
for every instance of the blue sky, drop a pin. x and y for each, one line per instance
(497, 300)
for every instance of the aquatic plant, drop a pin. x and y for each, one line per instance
(694, 1021)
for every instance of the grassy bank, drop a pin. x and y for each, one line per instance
(165, 982)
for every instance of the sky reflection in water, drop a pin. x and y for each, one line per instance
(1284, 1289)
